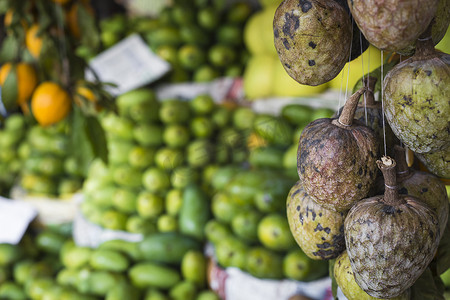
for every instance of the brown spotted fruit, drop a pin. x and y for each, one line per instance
(318, 231)
(336, 158)
(390, 238)
(370, 112)
(312, 39)
(392, 25)
(425, 186)
(346, 281)
(439, 26)
(416, 99)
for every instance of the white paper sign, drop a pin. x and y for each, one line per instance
(15, 216)
(129, 64)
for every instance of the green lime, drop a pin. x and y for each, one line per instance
(173, 201)
(156, 180)
(167, 223)
(165, 35)
(174, 111)
(176, 136)
(230, 34)
(208, 18)
(235, 70)
(205, 73)
(199, 153)
(149, 205)
(239, 12)
(221, 116)
(191, 56)
(124, 200)
(141, 157)
(181, 177)
(114, 220)
(202, 127)
(169, 158)
(193, 34)
(168, 52)
(183, 15)
(148, 135)
(202, 104)
(274, 232)
(221, 55)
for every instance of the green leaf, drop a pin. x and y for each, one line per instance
(334, 285)
(9, 90)
(81, 148)
(425, 288)
(89, 31)
(97, 137)
(443, 252)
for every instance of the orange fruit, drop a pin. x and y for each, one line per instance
(85, 92)
(8, 17)
(50, 103)
(26, 79)
(32, 41)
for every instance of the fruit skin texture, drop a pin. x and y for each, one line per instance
(416, 94)
(50, 103)
(346, 281)
(337, 166)
(26, 79)
(317, 230)
(392, 25)
(437, 162)
(390, 245)
(313, 39)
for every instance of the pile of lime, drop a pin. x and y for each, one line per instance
(48, 166)
(202, 40)
(12, 132)
(156, 149)
(47, 264)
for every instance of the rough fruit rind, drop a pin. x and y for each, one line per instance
(416, 101)
(392, 25)
(317, 230)
(313, 39)
(333, 175)
(346, 281)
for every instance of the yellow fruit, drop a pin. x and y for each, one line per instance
(365, 63)
(258, 32)
(50, 103)
(258, 76)
(285, 86)
(32, 41)
(255, 141)
(26, 79)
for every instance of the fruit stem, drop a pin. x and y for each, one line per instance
(403, 171)
(425, 45)
(348, 111)
(369, 82)
(387, 167)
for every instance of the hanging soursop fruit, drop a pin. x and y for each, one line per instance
(437, 162)
(425, 186)
(392, 25)
(416, 95)
(313, 39)
(390, 238)
(346, 281)
(336, 158)
(370, 112)
(317, 230)
(416, 99)
(439, 26)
